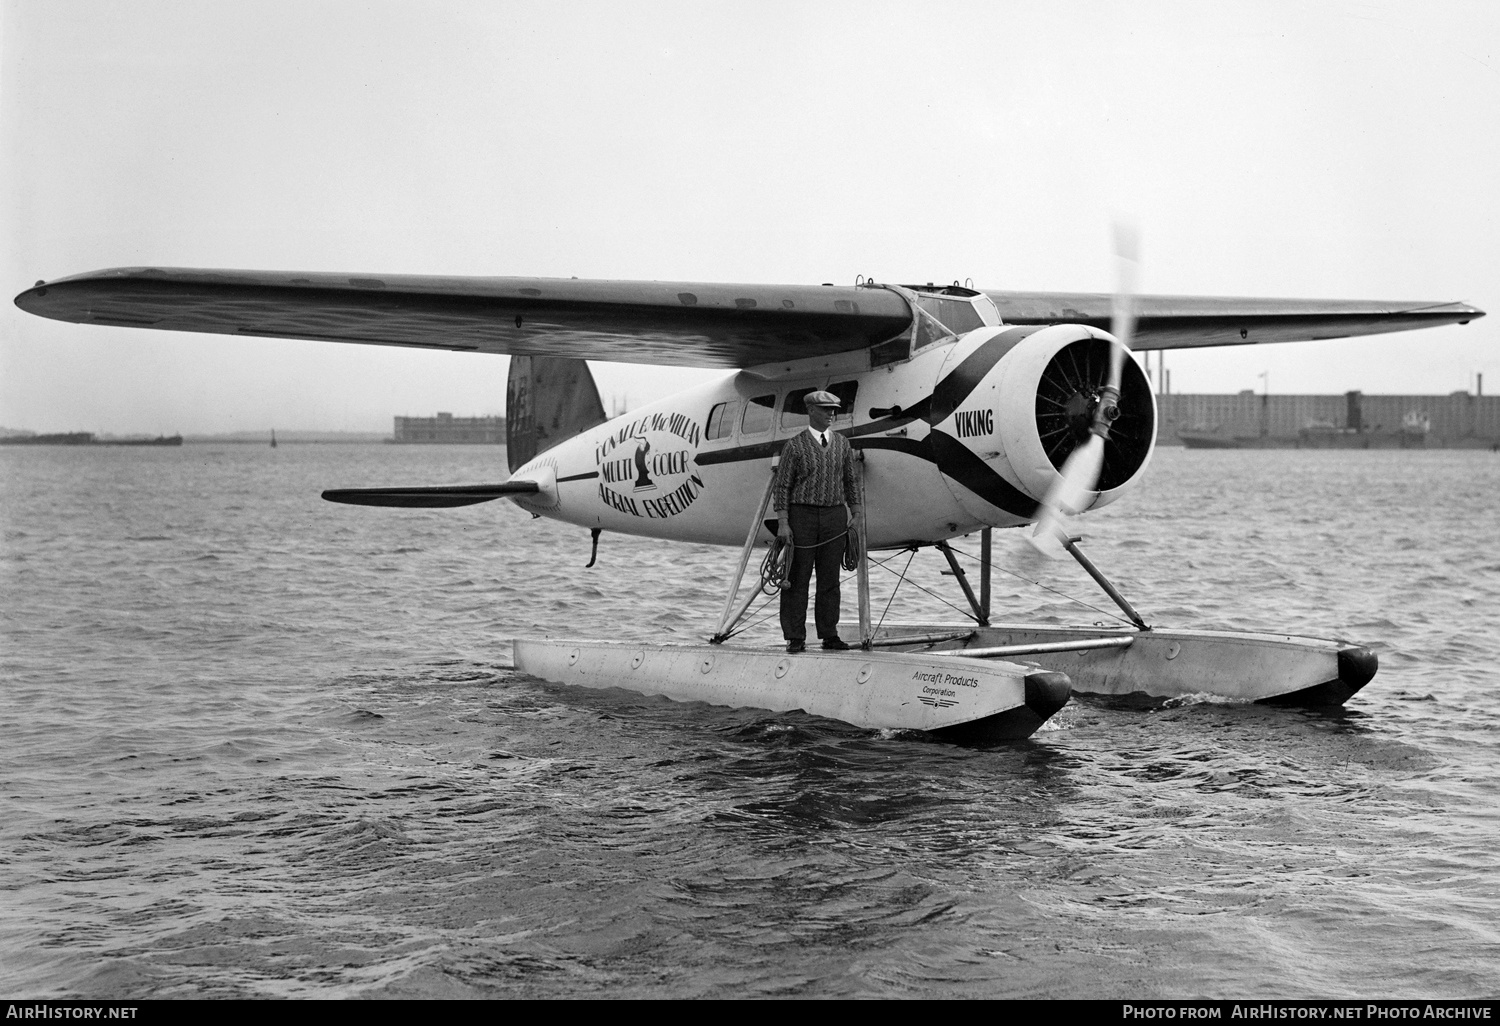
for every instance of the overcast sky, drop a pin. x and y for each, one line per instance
(1331, 150)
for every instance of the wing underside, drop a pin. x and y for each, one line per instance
(672, 323)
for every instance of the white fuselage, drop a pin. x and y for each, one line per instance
(938, 458)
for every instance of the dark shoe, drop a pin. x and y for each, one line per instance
(796, 646)
(835, 645)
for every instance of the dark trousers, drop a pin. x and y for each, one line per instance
(822, 530)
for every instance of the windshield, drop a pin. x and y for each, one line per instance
(955, 314)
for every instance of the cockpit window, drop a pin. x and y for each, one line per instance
(942, 313)
(957, 315)
(985, 307)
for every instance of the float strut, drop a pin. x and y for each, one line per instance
(981, 610)
(594, 533)
(862, 572)
(984, 576)
(730, 616)
(1071, 544)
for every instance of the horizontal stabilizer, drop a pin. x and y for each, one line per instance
(440, 497)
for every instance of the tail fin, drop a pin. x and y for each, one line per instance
(547, 400)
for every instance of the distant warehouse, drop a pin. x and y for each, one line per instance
(446, 429)
(1254, 420)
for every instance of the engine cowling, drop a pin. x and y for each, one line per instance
(1035, 404)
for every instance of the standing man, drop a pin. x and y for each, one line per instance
(816, 500)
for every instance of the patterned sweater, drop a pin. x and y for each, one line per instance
(813, 475)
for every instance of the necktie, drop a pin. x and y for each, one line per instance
(824, 439)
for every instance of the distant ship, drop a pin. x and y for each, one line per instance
(87, 438)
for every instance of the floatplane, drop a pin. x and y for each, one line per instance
(970, 410)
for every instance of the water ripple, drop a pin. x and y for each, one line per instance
(258, 745)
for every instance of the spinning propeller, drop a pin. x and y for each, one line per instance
(1079, 477)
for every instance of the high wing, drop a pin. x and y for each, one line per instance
(1192, 322)
(675, 323)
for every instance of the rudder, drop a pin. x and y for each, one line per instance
(547, 400)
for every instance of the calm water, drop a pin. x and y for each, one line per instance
(259, 745)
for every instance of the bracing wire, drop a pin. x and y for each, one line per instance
(747, 623)
(900, 579)
(967, 614)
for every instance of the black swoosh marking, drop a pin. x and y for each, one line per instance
(957, 386)
(950, 393)
(956, 460)
(740, 454)
(910, 447)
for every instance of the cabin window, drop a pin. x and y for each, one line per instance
(758, 413)
(794, 413)
(721, 421)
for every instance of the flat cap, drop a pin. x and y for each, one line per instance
(821, 398)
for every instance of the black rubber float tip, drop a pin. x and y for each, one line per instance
(1357, 665)
(1047, 691)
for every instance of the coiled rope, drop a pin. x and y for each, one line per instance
(777, 563)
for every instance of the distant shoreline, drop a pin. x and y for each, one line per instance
(292, 438)
(75, 439)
